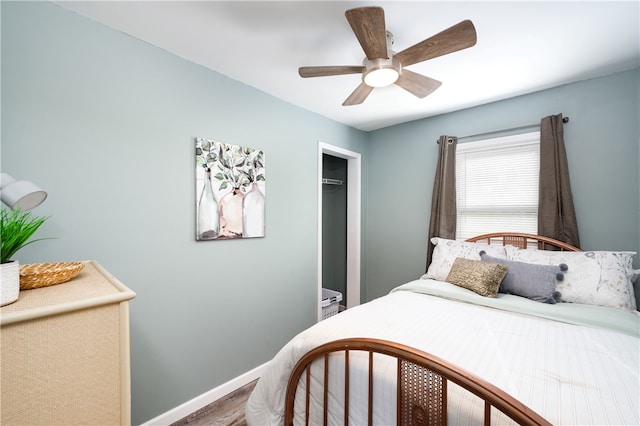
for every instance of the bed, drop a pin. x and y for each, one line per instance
(556, 341)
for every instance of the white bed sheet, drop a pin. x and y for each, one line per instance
(570, 374)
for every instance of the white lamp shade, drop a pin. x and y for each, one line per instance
(20, 193)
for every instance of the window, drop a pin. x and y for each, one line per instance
(497, 185)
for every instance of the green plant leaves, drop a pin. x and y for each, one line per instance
(238, 166)
(16, 229)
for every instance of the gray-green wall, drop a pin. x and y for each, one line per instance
(602, 141)
(106, 124)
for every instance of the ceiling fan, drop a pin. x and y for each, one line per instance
(383, 67)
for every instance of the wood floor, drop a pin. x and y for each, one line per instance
(227, 411)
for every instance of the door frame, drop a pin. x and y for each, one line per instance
(354, 219)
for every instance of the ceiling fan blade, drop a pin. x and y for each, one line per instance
(329, 70)
(359, 95)
(417, 84)
(457, 37)
(368, 25)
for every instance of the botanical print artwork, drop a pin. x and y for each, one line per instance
(230, 191)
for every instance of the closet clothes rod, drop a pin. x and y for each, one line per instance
(564, 120)
(331, 181)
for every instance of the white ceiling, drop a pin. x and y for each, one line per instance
(522, 47)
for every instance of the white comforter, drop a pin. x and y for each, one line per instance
(572, 369)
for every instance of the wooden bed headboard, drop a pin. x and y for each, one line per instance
(523, 241)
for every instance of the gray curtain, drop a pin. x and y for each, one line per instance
(556, 214)
(443, 201)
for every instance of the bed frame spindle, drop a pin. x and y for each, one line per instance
(326, 388)
(306, 422)
(346, 388)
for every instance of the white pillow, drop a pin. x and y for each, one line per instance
(602, 278)
(446, 252)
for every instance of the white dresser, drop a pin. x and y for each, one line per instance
(64, 353)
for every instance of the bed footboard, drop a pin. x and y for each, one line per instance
(421, 385)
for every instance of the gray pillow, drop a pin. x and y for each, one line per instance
(535, 282)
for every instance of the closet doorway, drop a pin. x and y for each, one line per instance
(339, 223)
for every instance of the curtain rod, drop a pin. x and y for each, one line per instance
(564, 120)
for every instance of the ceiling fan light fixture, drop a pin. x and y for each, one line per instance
(381, 77)
(381, 72)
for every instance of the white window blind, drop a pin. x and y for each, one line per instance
(497, 185)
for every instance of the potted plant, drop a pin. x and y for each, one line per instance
(17, 228)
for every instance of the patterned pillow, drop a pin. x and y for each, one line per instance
(447, 251)
(602, 278)
(535, 282)
(483, 278)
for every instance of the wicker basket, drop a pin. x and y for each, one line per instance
(35, 275)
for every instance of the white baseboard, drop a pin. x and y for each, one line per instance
(206, 398)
